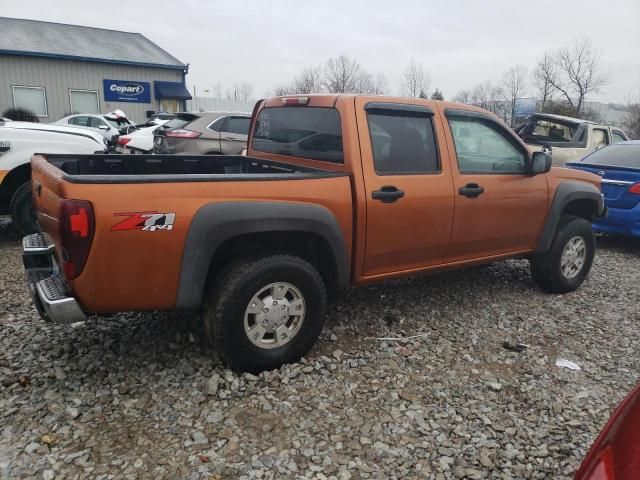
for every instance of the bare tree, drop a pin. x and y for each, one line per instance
(240, 91)
(632, 121)
(463, 96)
(514, 84)
(488, 96)
(283, 90)
(545, 76)
(342, 75)
(373, 85)
(309, 81)
(580, 73)
(414, 80)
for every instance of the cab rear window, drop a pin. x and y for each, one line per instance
(306, 132)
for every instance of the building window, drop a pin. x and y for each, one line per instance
(31, 98)
(84, 101)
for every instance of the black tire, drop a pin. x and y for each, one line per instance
(21, 208)
(228, 296)
(546, 269)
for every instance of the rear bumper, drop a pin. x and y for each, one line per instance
(620, 221)
(49, 290)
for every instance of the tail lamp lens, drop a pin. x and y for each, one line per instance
(77, 225)
(182, 133)
(635, 188)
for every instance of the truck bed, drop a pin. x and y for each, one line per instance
(172, 168)
(183, 188)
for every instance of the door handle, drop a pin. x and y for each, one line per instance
(387, 194)
(471, 190)
(228, 138)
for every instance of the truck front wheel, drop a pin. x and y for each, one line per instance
(567, 263)
(263, 312)
(21, 208)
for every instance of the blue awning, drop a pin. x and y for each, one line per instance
(172, 90)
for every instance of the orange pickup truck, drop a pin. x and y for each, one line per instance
(336, 190)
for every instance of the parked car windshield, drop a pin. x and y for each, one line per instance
(546, 130)
(616, 155)
(306, 132)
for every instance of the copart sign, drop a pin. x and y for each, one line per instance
(127, 91)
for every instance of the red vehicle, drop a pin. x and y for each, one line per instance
(615, 455)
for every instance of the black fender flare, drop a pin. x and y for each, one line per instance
(215, 223)
(566, 193)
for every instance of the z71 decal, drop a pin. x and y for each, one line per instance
(145, 221)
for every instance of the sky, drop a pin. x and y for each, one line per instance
(459, 42)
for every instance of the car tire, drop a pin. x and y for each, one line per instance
(242, 316)
(567, 263)
(22, 213)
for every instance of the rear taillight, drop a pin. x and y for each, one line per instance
(295, 101)
(635, 188)
(182, 133)
(77, 224)
(123, 140)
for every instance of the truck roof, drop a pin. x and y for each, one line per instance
(563, 118)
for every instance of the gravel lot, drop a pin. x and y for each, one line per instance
(138, 395)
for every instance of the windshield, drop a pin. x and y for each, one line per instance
(306, 132)
(616, 155)
(546, 130)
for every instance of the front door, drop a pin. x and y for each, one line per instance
(169, 105)
(499, 208)
(409, 191)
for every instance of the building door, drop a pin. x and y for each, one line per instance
(169, 105)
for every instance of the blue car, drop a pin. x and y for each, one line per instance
(619, 166)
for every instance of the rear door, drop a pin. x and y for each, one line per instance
(409, 190)
(499, 208)
(235, 132)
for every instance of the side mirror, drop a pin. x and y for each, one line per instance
(103, 127)
(540, 163)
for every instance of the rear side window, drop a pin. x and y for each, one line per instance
(216, 126)
(239, 125)
(402, 142)
(80, 121)
(306, 132)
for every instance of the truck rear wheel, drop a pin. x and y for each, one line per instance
(263, 312)
(567, 263)
(21, 208)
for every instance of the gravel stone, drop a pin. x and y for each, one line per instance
(139, 395)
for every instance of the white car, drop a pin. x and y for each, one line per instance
(109, 125)
(18, 142)
(140, 141)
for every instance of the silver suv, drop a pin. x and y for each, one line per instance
(214, 133)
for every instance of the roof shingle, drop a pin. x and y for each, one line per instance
(32, 37)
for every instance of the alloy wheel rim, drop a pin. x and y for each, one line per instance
(573, 257)
(274, 315)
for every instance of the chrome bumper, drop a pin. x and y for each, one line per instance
(48, 288)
